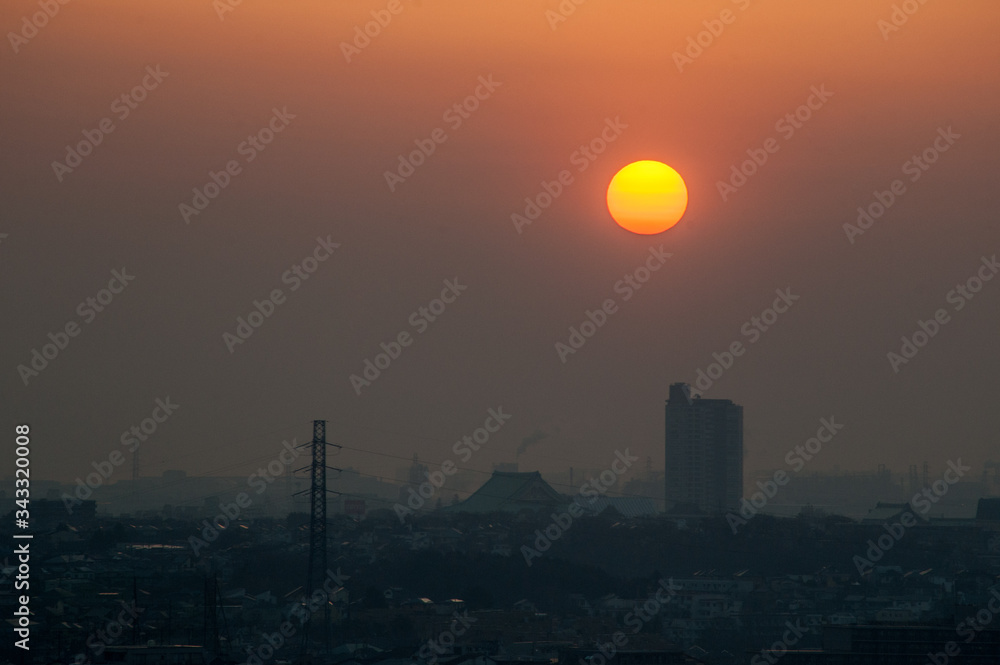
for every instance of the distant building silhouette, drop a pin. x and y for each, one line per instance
(511, 493)
(704, 452)
(885, 513)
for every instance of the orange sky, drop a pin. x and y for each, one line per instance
(325, 174)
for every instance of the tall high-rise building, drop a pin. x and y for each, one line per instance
(704, 452)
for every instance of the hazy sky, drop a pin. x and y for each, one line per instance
(555, 87)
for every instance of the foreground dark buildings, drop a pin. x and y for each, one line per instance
(521, 570)
(452, 587)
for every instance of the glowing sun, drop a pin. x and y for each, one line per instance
(647, 197)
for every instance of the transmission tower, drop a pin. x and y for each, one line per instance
(317, 491)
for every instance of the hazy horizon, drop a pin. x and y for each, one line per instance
(320, 189)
